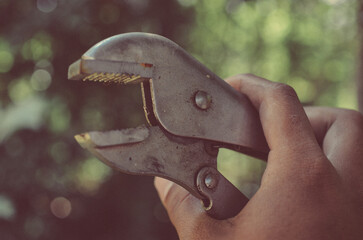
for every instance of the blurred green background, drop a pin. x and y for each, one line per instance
(50, 188)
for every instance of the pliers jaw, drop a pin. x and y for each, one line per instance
(138, 151)
(191, 112)
(185, 161)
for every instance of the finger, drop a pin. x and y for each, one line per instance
(286, 127)
(176, 199)
(322, 120)
(186, 212)
(340, 134)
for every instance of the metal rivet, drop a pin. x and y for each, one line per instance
(210, 181)
(203, 100)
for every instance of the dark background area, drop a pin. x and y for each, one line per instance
(51, 188)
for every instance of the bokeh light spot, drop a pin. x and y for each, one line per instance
(60, 117)
(305, 90)
(347, 96)
(46, 6)
(38, 48)
(6, 61)
(61, 207)
(91, 174)
(19, 90)
(7, 209)
(277, 26)
(40, 80)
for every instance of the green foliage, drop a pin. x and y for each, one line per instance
(310, 45)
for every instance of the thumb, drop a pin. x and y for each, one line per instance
(180, 204)
(186, 212)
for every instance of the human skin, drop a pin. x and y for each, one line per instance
(312, 187)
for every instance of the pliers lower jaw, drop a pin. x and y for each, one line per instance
(191, 111)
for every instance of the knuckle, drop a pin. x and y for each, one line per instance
(350, 125)
(352, 118)
(283, 93)
(246, 75)
(242, 76)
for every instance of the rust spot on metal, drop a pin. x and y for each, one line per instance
(146, 65)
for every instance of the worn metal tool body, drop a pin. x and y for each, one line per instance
(192, 113)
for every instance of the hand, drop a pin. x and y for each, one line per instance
(313, 184)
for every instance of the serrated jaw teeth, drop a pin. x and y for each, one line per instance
(122, 78)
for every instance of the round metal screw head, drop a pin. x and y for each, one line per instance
(203, 100)
(210, 181)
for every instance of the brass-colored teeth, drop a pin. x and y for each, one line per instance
(121, 78)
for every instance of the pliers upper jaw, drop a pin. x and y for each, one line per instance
(173, 84)
(131, 57)
(125, 59)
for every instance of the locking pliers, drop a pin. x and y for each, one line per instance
(191, 112)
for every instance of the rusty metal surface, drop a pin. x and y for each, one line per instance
(191, 110)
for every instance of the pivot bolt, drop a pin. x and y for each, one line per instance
(203, 100)
(210, 181)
